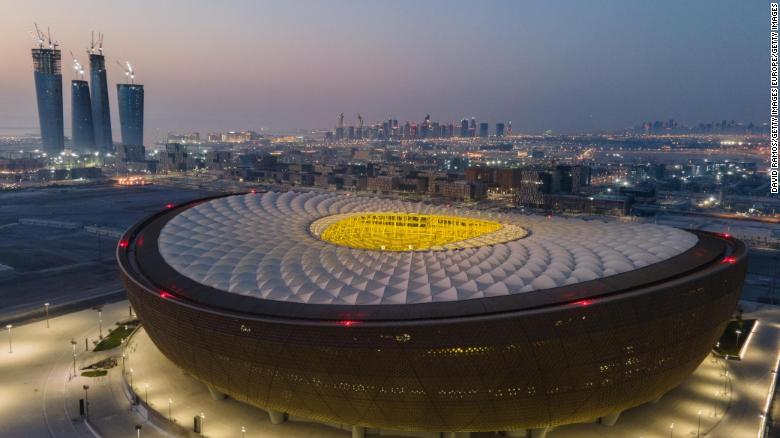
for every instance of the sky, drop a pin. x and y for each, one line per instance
(567, 66)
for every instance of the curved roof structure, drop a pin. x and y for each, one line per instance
(270, 246)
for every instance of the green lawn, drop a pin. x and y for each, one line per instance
(728, 341)
(115, 337)
(94, 373)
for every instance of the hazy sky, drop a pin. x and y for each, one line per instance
(561, 65)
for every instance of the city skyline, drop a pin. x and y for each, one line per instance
(605, 67)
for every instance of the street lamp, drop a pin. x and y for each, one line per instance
(146, 392)
(73, 344)
(698, 426)
(46, 307)
(86, 400)
(202, 421)
(738, 332)
(671, 430)
(10, 344)
(243, 432)
(131, 378)
(100, 323)
(138, 430)
(170, 404)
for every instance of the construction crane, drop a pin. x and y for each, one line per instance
(43, 39)
(93, 47)
(129, 71)
(77, 65)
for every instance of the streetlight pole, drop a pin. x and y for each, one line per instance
(100, 323)
(138, 430)
(671, 430)
(170, 404)
(698, 426)
(73, 344)
(131, 378)
(738, 332)
(243, 432)
(86, 400)
(10, 343)
(146, 392)
(46, 307)
(202, 421)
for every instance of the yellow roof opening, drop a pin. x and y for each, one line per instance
(390, 231)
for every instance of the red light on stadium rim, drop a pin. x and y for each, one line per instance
(347, 323)
(123, 243)
(725, 235)
(730, 260)
(583, 303)
(169, 205)
(164, 294)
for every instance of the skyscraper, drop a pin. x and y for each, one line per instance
(101, 115)
(499, 129)
(131, 113)
(483, 130)
(48, 90)
(464, 128)
(81, 108)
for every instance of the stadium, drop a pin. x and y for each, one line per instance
(386, 314)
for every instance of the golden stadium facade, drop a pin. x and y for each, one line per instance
(386, 314)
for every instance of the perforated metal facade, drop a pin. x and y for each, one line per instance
(523, 361)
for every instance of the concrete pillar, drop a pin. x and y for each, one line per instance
(276, 417)
(358, 432)
(539, 433)
(610, 419)
(215, 393)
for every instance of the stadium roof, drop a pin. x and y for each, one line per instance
(270, 246)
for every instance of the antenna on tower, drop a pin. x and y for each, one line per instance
(100, 42)
(77, 65)
(129, 71)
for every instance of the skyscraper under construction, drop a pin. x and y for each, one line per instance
(101, 115)
(131, 113)
(82, 127)
(48, 89)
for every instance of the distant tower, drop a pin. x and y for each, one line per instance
(131, 110)
(340, 127)
(499, 129)
(509, 129)
(483, 130)
(464, 128)
(48, 89)
(81, 109)
(101, 115)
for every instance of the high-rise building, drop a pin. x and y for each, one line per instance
(473, 127)
(48, 90)
(101, 115)
(81, 124)
(483, 130)
(464, 128)
(131, 113)
(499, 129)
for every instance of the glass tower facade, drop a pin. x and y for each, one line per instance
(101, 115)
(81, 107)
(48, 89)
(131, 113)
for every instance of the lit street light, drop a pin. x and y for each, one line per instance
(243, 432)
(131, 378)
(86, 400)
(46, 307)
(146, 392)
(671, 430)
(698, 427)
(138, 430)
(10, 345)
(738, 332)
(170, 404)
(73, 344)
(202, 421)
